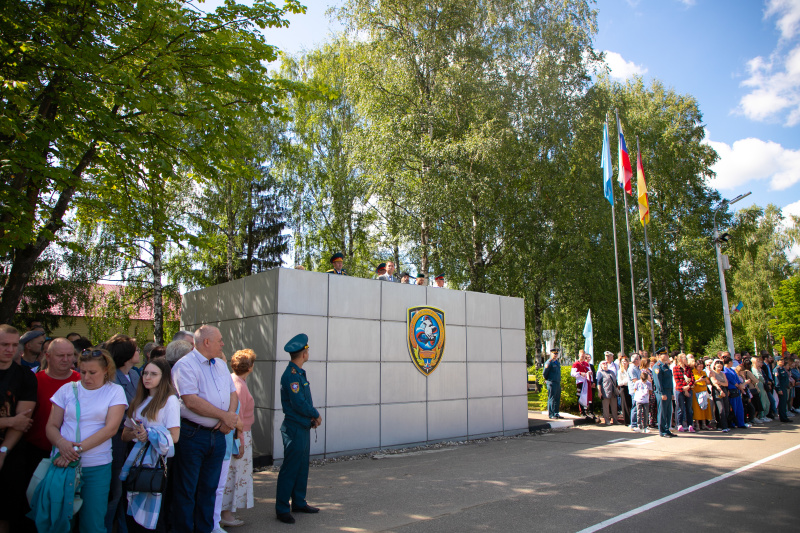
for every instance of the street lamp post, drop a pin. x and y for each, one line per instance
(726, 310)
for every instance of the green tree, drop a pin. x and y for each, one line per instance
(758, 255)
(88, 85)
(786, 322)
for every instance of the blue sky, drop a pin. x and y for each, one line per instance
(739, 58)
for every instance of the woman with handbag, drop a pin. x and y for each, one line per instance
(154, 409)
(84, 417)
(701, 402)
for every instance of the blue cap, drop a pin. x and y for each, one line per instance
(298, 342)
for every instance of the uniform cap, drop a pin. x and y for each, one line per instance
(554, 349)
(440, 276)
(338, 256)
(298, 342)
(406, 274)
(379, 268)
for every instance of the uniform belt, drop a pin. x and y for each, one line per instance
(196, 425)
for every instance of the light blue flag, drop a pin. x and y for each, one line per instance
(588, 345)
(605, 164)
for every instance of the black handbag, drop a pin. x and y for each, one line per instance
(147, 478)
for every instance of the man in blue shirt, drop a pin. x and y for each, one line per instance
(552, 376)
(299, 417)
(664, 390)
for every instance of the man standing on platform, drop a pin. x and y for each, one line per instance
(405, 278)
(664, 389)
(299, 417)
(208, 413)
(552, 376)
(439, 280)
(337, 261)
(380, 271)
(389, 275)
(421, 279)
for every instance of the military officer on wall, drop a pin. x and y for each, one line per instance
(380, 271)
(299, 417)
(337, 261)
(405, 278)
(421, 279)
(439, 280)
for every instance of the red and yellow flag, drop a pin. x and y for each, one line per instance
(641, 190)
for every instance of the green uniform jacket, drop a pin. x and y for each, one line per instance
(298, 407)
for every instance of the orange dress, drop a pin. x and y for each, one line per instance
(701, 382)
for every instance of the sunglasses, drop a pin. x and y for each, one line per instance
(92, 353)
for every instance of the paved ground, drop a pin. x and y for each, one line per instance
(567, 480)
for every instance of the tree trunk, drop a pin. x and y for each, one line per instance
(681, 340)
(537, 323)
(424, 239)
(158, 302)
(25, 258)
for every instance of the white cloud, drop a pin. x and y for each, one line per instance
(754, 160)
(788, 12)
(621, 69)
(774, 82)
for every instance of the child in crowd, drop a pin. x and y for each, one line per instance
(641, 398)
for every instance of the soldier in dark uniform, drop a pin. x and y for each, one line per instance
(299, 417)
(782, 386)
(663, 388)
(552, 376)
(337, 261)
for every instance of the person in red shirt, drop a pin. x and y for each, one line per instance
(60, 357)
(684, 382)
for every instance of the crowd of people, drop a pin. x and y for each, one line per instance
(681, 392)
(80, 424)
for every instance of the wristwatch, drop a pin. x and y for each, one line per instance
(3, 449)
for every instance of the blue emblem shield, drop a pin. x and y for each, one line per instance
(426, 336)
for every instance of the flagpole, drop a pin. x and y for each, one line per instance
(649, 285)
(630, 253)
(616, 264)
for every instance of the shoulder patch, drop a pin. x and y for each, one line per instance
(295, 387)
(656, 371)
(294, 371)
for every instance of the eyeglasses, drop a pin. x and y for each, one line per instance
(92, 353)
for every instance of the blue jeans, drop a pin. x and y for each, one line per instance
(198, 463)
(95, 481)
(685, 410)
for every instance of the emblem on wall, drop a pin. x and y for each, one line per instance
(425, 336)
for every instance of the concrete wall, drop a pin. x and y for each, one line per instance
(363, 382)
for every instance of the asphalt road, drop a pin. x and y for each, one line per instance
(569, 480)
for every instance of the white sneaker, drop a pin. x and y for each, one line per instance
(636, 430)
(647, 430)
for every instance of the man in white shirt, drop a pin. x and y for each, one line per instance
(208, 413)
(634, 375)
